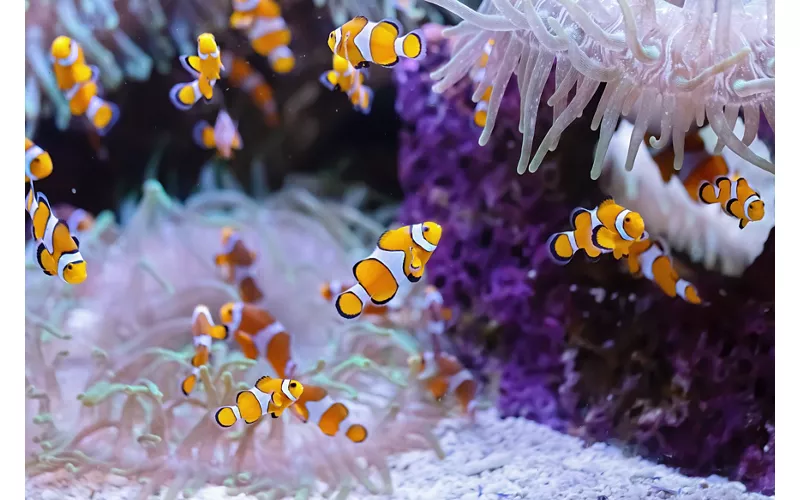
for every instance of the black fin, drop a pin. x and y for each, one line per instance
(741, 223)
(77, 243)
(729, 205)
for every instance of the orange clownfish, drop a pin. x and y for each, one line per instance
(258, 333)
(479, 73)
(270, 396)
(607, 228)
(203, 331)
(243, 76)
(362, 42)
(237, 262)
(332, 289)
(736, 198)
(69, 63)
(205, 67)
(398, 260)
(268, 33)
(443, 375)
(57, 251)
(316, 405)
(223, 135)
(650, 259)
(434, 312)
(38, 163)
(80, 221)
(349, 80)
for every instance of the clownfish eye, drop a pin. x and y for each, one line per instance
(292, 385)
(627, 219)
(69, 266)
(425, 228)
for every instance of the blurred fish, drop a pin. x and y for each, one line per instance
(205, 67)
(606, 229)
(349, 80)
(398, 260)
(38, 163)
(203, 331)
(223, 135)
(80, 221)
(435, 313)
(330, 416)
(331, 289)
(57, 251)
(237, 262)
(478, 74)
(268, 33)
(270, 396)
(241, 75)
(258, 333)
(362, 42)
(69, 63)
(443, 375)
(650, 259)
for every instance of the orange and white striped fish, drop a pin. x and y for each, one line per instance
(477, 76)
(270, 396)
(223, 136)
(398, 261)
(362, 42)
(38, 164)
(203, 331)
(79, 221)
(317, 406)
(435, 313)
(330, 290)
(650, 259)
(736, 198)
(205, 67)
(241, 75)
(268, 33)
(349, 80)
(609, 228)
(444, 376)
(237, 262)
(258, 333)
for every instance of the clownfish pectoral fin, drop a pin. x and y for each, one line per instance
(707, 193)
(562, 246)
(743, 223)
(300, 411)
(82, 73)
(330, 80)
(603, 238)
(356, 433)
(191, 64)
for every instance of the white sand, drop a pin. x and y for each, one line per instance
(495, 459)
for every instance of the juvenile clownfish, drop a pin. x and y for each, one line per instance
(435, 314)
(268, 33)
(57, 251)
(362, 42)
(205, 67)
(203, 331)
(258, 333)
(38, 163)
(606, 229)
(479, 73)
(650, 259)
(398, 260)
(349, 80)
(443, 375)
(330, 290)
(243, 76)
(80, 221)
(223, 135)
(237, 262)
(330, 416)
(736, 198)
(270, 396)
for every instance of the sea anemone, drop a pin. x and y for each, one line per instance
(658, 62)
(104, 361)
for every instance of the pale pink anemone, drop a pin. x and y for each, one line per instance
(104, 360)
(660, 63)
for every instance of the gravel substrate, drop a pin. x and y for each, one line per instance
(492, 459)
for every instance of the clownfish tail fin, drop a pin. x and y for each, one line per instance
(227, 416)
(349, 305)
(707, 193)
(356, 433)
(562, 247)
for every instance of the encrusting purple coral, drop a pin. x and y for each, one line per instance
(584, 347)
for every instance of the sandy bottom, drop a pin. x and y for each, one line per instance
(493, 459)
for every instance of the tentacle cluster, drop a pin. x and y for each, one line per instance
(659, 63)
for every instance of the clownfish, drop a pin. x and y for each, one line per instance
(349, 80)
(223, 135)
(69, 63)
(736, 198)
(607, 228)
(203, 331)
(57, 251)
(237, 262)
(205, 67)
(650, 259)
(258, 333)
(330, 290)
(443, 375)
(243, 76)
(270, 396)
(478, 74)
(398, 260)
(38, 163)
(434, 312)
(268, 33)
(330, 416)
(79, 221)
(362, 42)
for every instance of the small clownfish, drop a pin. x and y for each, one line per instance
(330, 416)
(362, 42)
(237, 262)
(38, 163)
(650, 259)
(478, 74)
(57, 251)
(270, 396)
(349, 80)
(205, 67)
(268, 33)
(609, 228)
(736, 198)
(223, 136)
(203, 331)
(398, 260)
(243, 76)
(332, 289)
(434, 312)
(443, 375)
(258, 333)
